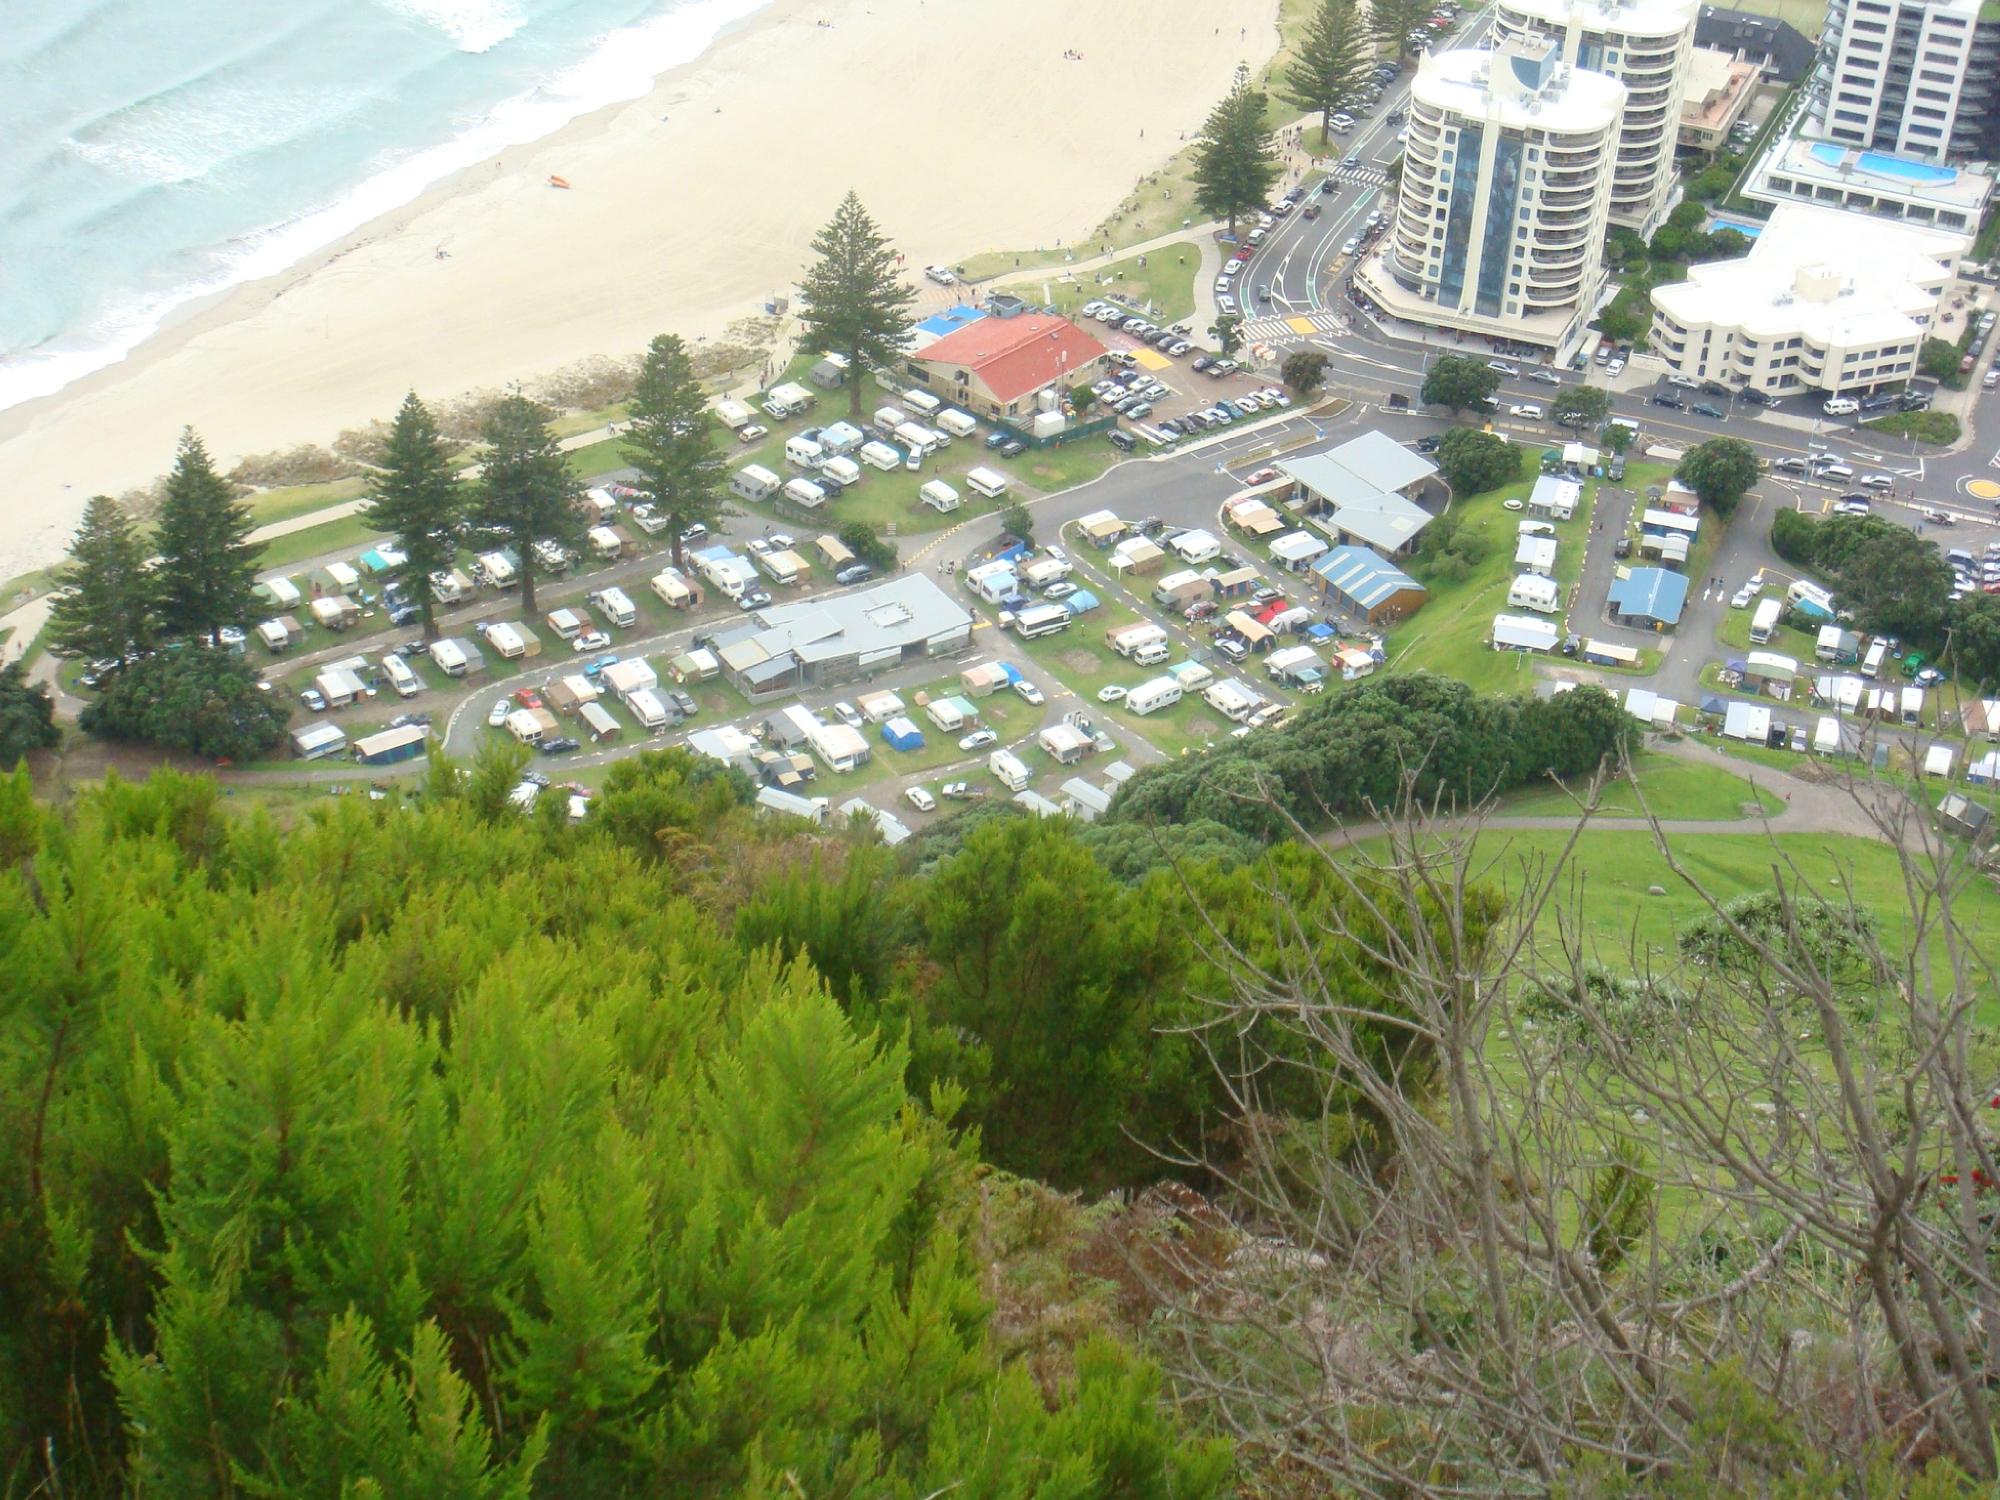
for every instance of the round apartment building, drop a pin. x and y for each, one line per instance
(1646, 45)
(1500, 224)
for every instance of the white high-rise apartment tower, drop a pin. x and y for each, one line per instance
(1645, 45)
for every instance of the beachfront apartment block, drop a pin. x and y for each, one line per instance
(1801, 170)
(1644, 45)
(1000, 368)
(1825, 300)
(1916, 78)
(1719, 89)
(1506, 196)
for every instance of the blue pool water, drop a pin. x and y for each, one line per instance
(1884, 165)
(1745, 227)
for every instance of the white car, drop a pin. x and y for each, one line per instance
(1029, 692)
(979, 739)
(848, 714)
(1527, 411)
(1350, 247)
(1840, 406)
(751, 433)
(1615, 365)
(1685, 382)
(590, 640)
(1503, 367)
(921, 799)
(940, 275)
(1112, 694)
(497, 714)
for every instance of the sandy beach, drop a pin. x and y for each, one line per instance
(962, 124)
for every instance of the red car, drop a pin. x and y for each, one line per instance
(527, 697)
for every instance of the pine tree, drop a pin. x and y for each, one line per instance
(418, 502)
(1332, 62)
(1392, 21)
(27, 715)
(670, 441)
(526, 488)
(207, 570)
(103, 604)
(855, 302)
(1234, 165)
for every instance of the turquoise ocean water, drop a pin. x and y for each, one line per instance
(156, 151)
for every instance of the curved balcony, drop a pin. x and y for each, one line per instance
(1539, 260)
(1556, 181)
(1567, 199)
(1563, 239)
(1552, 296)
(1561, 218)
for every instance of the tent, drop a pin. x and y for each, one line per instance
(1081, 602)
(902, 734)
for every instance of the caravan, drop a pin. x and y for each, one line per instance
(955, 422)
(880, 456)
(803, 492)
(754, 482)
(983, 481)
(1151, 697)
(939, 496)
(923, 403)
(616, 608)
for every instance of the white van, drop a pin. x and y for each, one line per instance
(804, 453)
(922, 402)
(1764, 624)
(401, 677)
(1151, 697)
(804, 492)
(881, 456)
(983, 481)
(1871, 664)
(616, 607)
(1008, 766)
(1151, 654)
(1840, 406)
(754, 482)
(939, 496)
(955, 422)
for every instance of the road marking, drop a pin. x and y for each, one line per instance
(1301, 325)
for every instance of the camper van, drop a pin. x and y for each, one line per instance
(881, 456)
(983, 481)
(404, 680)
(754, 482)
(1041, 619)
(1151, 654)
(804, 492)
(1871, 664)
(1008, 766)
(804, 453)
(615, 607)
(1151, 697)
(939, 496)
(1764, 624)
(955, 422)
(923, 403)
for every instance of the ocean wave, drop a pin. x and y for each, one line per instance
(472, 25)
(620, 66)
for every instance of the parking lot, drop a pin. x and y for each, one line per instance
(1166, 387)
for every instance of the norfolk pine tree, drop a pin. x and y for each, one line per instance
(1392, 21)
(418, 502)
(1234, 167)
(208, 565)
(103, 605)
(668, 440)
(526, 488)
(855, 302)
(1332, 63)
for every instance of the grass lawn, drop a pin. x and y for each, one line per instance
(347, 536)
(270, 506)
(1673, 788)
(1735, 634)
(1159, 283)
(1939, 427)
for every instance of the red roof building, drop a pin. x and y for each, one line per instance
(996, 367)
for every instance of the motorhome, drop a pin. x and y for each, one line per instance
(1152, 696)
(983, 481)
(1041, 619)
(804, 453)
(1764, 624)
(402, 678)
(615, 607)
(1010, 769)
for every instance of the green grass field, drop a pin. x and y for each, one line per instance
(1672, 788)
(344, 537)
(1161, 282)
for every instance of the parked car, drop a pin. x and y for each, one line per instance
(555, 744)
(590, 640)
(849, 715)
(497, 715)
(979, 739)
(1028, 692)
(684, 702)
(1703, 409)
(1503, 367)
(1429, 443)
(1111, 694)
(1667, 399)
(921, 799)
(854, 573)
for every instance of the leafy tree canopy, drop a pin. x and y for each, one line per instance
(196, 698)
(1474, 462)
(1721, 471)
(1455, 382)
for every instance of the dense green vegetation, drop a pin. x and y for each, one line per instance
(1897, 583)
(1235, 166)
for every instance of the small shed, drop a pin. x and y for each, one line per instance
(404, 742)
(339, 686)
(1083, 801)
(697, 665)
(1524, 633)
(1749, 722)
(902, 734)
(598, 723)
(1960, 815)
(1536, 554)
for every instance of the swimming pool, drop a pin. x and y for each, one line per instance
(1884, 165)
(1749, 229)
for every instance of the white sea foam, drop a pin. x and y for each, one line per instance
(473, 25)
(621, 66)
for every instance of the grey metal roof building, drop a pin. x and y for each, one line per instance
(1359, 580)
(1361, 490)
(843, 638)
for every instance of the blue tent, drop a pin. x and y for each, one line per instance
(901, 734)
(1081, 602)
(1013, 672)
(1319, 630)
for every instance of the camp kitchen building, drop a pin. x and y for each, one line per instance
(828, 641)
